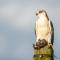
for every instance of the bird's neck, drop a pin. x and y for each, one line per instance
(42, 20)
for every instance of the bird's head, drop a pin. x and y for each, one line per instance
(41, 14)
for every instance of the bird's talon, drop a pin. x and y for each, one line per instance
(49, 45)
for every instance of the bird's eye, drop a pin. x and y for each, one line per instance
(36, 14)
(40, 11)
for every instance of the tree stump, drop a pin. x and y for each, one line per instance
(44, 53)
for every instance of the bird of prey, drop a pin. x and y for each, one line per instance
(44, 29)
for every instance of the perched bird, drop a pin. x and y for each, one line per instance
(44, 28)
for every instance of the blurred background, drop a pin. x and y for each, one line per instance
(17, 19)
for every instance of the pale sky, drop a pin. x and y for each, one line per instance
(17, 18)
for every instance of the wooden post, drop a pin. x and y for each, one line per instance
(44, 53)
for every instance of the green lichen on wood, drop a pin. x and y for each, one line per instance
(44, 50)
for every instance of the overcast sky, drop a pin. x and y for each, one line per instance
(17, 18)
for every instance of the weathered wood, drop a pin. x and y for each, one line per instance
(44, 53)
